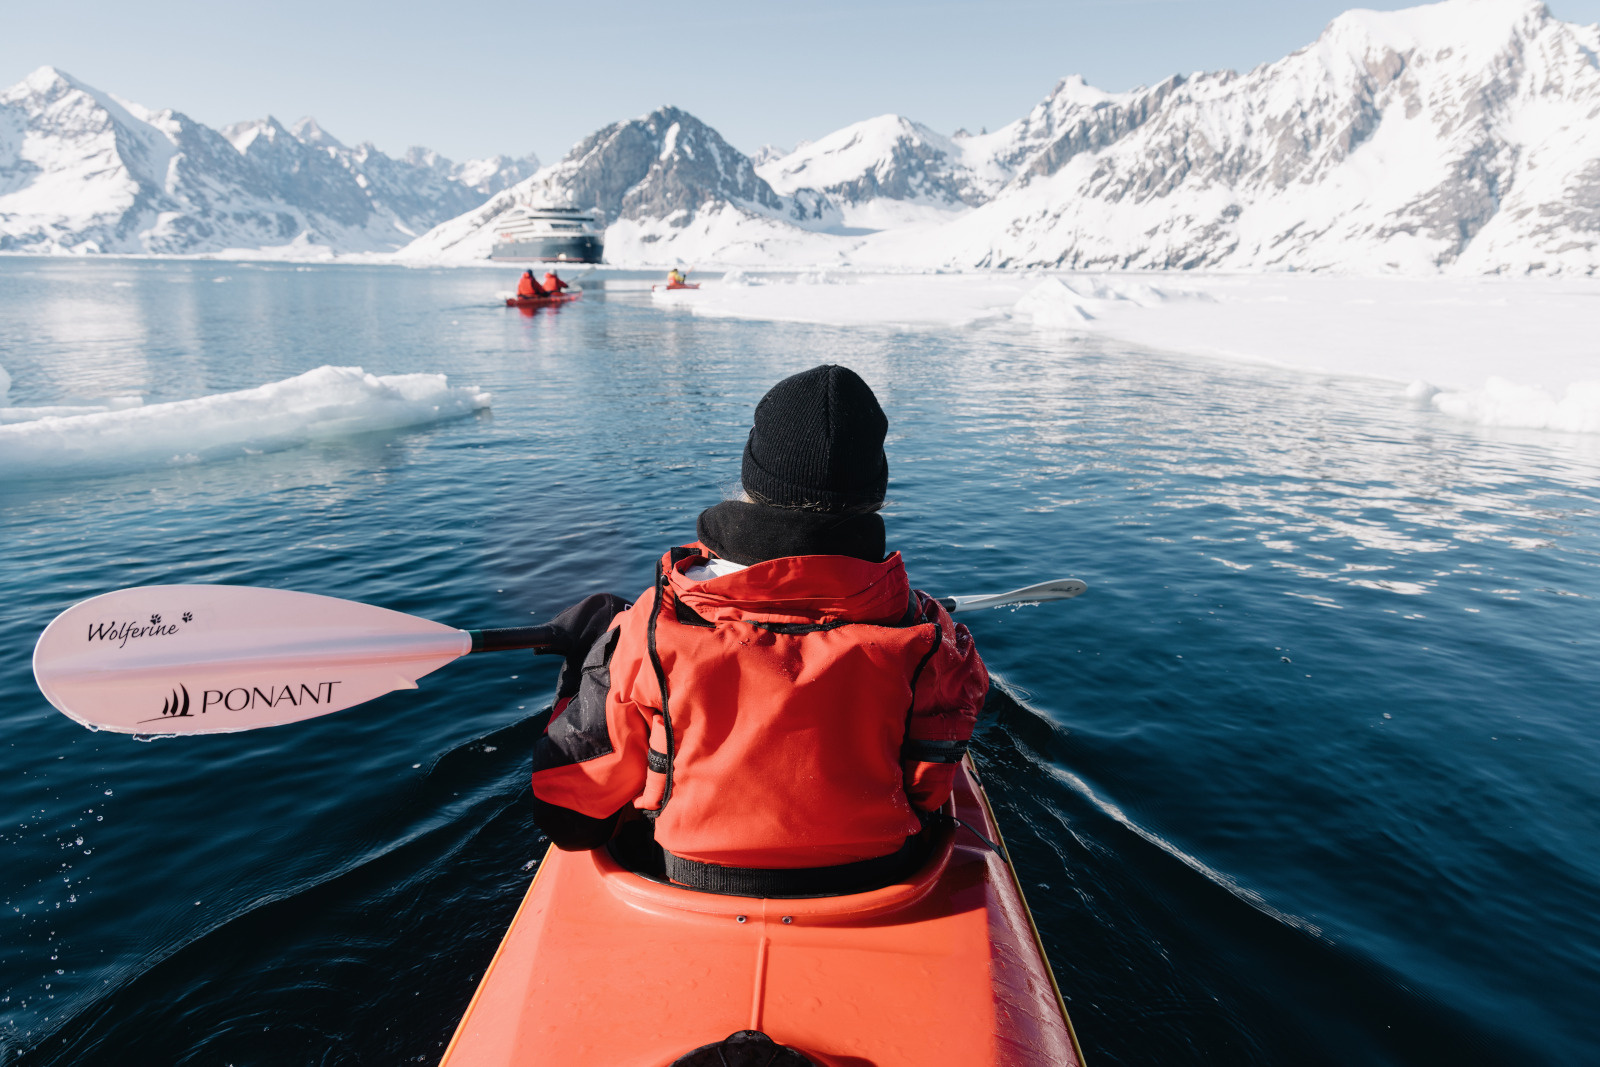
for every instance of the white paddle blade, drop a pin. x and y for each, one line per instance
(1059, 589)
(207, 659)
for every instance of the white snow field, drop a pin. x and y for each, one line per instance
(1495, 351)
(323, 403)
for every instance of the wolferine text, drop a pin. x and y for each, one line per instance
(121, 632)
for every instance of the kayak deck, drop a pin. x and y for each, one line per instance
(607, 967)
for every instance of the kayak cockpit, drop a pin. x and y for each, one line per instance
(747, 1048)
(634, 853)
(603, 965)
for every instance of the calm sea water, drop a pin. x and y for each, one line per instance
(1307, 777)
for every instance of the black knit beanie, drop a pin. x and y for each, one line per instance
(817, 444)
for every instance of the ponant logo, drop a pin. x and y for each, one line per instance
(173, 706)
(176, 704)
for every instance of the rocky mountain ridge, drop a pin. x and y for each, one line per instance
(1459, 136)
(82, 172)
(653, 178)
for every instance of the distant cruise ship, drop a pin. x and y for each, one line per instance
(560, 234)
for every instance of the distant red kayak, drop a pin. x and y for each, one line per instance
(543, 301)
(653, 288)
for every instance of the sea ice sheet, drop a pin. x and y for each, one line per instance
(1497, 351)
(323, 403)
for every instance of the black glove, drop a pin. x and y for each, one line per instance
(577, 629)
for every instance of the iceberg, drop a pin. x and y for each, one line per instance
(1505, 403)
(327, 402)
(1053, 304)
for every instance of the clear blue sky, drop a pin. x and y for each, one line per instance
(483, 79)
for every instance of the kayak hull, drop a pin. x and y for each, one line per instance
(543, 301)
(604, 966)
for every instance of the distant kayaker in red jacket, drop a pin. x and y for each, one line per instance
(780, 712)
(552, 284)
(527, 287)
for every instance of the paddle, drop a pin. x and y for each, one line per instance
(206, 659)
(1059, 589)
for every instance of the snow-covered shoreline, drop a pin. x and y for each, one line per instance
(1495, 351)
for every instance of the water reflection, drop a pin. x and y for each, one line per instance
(1306, 476)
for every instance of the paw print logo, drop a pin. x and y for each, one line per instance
(188, 617)
(155, 620)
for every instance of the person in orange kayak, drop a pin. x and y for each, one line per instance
(553, 284)
(527, 287)
(780, 713)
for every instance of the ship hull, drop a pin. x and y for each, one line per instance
(582, 248)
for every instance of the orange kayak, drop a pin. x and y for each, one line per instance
(542, 301)
(602, 966)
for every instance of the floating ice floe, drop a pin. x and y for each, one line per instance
(319, 404)
(836, 298)
(1506, 403)
(1053, 305)
(22, 414)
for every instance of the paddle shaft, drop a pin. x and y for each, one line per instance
(507, 638)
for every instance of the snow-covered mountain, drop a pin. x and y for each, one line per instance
(82, 171)
(1461, 135)
(889, 171)
(668, 185)
(886, 158)
(416, 191)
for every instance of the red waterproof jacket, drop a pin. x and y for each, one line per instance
(526, 286)
(553, 285)
(789, 715)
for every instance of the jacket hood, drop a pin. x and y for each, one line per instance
(798, 589)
